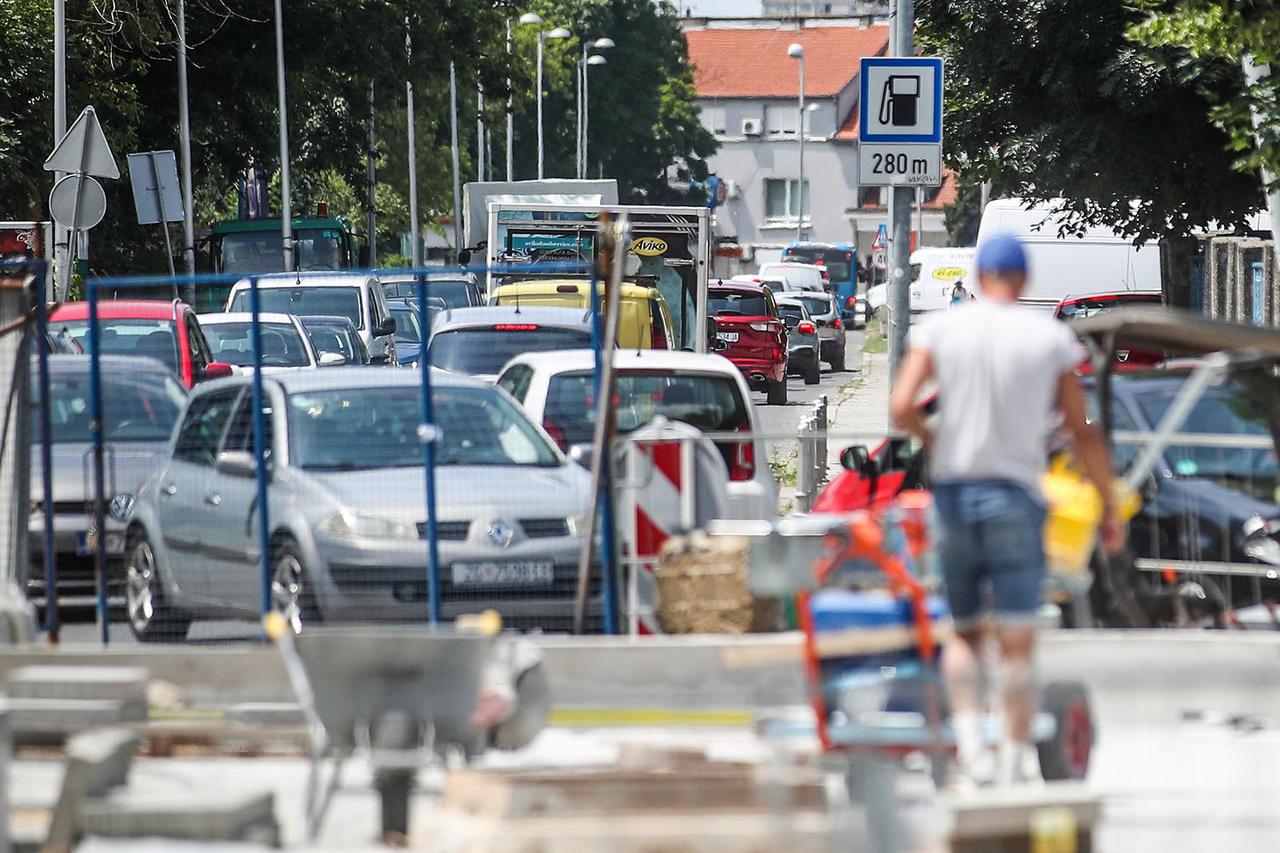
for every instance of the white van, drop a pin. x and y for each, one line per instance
(1098, 261)
(357, 297)
(797, 276)
(935, 274)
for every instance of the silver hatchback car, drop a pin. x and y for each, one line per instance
(347, 508)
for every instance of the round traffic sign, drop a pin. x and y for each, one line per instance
(90, 210)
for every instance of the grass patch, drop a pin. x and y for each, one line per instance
(875, 341)
(783, 466)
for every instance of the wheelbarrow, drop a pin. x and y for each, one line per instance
(404, 693)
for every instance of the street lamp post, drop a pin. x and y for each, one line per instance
(796, 52)
(603, 43)
(543, 35)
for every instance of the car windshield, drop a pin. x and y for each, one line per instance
(282, 346)
(259, 251)
(149, 338)
(334, 301)
(837, 262)
(328, 336)
(136, 407)
(1078, 309)
(721, 302)
(407, 329)
(486, 349)
(1229, 410)
(817, 305)
(368, 428)
(791, 314)
(710, 402)
(454, 294)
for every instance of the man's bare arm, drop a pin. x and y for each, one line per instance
(1093, 455)
(915, 371)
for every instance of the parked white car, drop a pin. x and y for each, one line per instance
(797, 276)
(285, 342)
(701, 389)
(359, 298)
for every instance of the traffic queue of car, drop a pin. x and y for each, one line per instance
(513, 394)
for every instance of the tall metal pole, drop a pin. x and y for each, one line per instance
(1255, 73)
(900, 248)
(184, 146)
(416, 251)
(800, 134)
(586, 116)
(511, 121)
(286, 206)
(581, 73)
(479, 131)
(371, 178)
(540, 104)
(457, 173)
(62, 236)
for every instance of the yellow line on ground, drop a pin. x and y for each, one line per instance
(609, 717)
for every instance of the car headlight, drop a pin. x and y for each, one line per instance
(354, 524)
(121, 507)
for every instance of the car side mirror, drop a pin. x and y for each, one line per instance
(386, 327)
(332, 359)
(857, 458)
(237, 463)
(215, 370)
(582, 454)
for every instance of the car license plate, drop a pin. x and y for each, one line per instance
(524, 573)
(728, 337)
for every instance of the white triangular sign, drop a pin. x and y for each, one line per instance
(83, 148)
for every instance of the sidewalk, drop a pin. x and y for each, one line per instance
(859, 413)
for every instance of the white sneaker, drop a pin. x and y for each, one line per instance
(1018, 764)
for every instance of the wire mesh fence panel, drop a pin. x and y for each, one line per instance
(293, 453)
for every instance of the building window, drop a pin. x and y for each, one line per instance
(782, 201)
(780, 120)
(713, 119)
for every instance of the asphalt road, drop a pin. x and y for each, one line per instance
(782, 420)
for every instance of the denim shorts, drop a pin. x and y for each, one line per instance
(990, 545)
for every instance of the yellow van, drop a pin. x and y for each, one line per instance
(645, 322)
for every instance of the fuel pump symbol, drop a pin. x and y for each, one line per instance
(899, 100)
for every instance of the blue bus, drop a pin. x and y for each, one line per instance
(841, 263)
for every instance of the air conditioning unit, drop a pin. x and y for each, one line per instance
(752, 127)
(732, 190)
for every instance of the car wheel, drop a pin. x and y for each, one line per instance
(812, 373)
(150, 619)
(1066, 754)
(777, 393)
(837, 363)
(291, 593)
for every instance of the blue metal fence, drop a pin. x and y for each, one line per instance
(108, 499)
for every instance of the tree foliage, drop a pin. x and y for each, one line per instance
(122, 60)
(1053, 99)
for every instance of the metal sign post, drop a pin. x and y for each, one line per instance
(900, 145)
(82, 153)
(157, 195)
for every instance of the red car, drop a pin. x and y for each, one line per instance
(166, 331)
(1079, 307)
(750, 333)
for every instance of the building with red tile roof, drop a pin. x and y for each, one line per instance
(748, 88)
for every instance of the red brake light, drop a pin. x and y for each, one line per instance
(851, 302)
(514, 327)
(805, 328)
(657, 337)
(744, 457)
(837, 323)
(557, 434)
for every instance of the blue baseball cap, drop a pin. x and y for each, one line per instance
(1001, 253)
